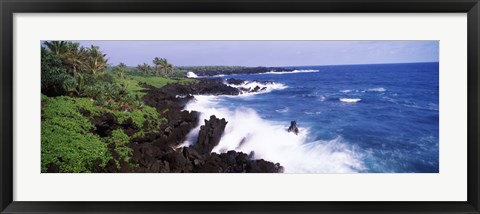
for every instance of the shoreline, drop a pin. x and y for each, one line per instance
(163, 152)
(207, 71)
(191, 74)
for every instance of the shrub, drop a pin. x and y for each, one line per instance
(119, 140)
(55, 80)
(67, 139)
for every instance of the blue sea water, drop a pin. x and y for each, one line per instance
(357, 118)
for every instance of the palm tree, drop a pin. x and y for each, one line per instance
(74, 57)
(164, 66)
(157, 62)
(121, 67)
(169, 68)
(57, 47)
(140, 68)
(95, 61)
(145, 68)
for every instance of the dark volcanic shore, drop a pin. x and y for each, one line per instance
(160, 152)
(246, 70)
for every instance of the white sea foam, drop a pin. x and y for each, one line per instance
(265, 87)
(312, 113)
(246, 131)
(377, 89)
(282, 110)
(290, 72)
(363, 91)
(350, 100)
(321, 98)
(181, 96)
(191, 75)
(270, 72)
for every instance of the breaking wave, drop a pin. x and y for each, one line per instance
(191, 75)
(247, 132)
(263, 87)
(377, 89)
(350, 100)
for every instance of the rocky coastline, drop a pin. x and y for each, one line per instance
(246, 70)
(162, 152)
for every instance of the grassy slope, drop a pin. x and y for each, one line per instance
(68, 137)
(133, 82)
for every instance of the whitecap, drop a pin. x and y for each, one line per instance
(350, 100)
(321, 98)
(282, 110)
(377, 89)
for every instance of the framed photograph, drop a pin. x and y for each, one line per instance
(238, 106)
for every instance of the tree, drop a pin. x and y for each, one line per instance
(55, 80)
(170, 68)
(158, 63)
(164, 65)
(57, 47)
(74, 57)
(95, 61)
(145, 68)
(121, 68)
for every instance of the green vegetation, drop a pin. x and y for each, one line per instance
(133, 82)
(119, 140)
(67, 138)
(78, 87)
(162, 66)
(55, 78)
(211, 68)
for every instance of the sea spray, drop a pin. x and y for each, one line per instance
(247, 132)
(265, 87)
(191, 75)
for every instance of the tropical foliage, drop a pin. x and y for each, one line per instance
(121, 68)
(144, 68)
(67, 141)
(78, 86)
(55, 79)
(65, 63)
(162, 66)
(212, 68)
(95, 61)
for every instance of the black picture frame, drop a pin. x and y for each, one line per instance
(9, 7)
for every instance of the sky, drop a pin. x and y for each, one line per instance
(268, 53)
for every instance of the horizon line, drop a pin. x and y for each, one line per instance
(289, 66)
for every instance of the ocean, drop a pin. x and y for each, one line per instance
(381, 118)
